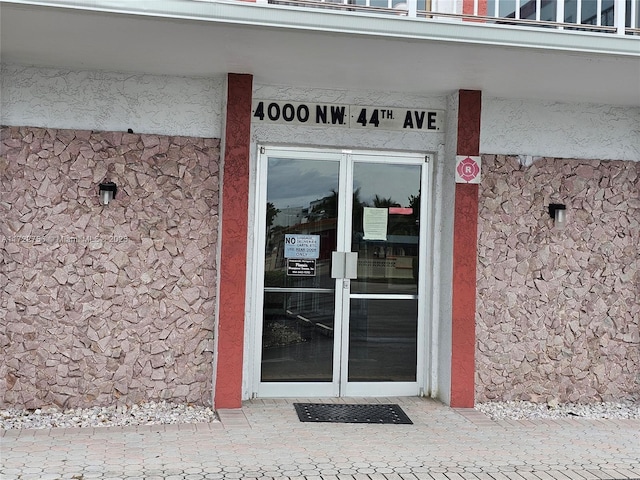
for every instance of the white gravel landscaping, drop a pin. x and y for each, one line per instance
(151, 413)
(159, 413)
(529, 410)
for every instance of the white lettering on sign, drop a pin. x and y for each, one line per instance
(301, 268)
(347, 116)
(301, 246)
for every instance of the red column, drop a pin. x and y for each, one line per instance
(467, 8)
(233, 255)
(464, 257)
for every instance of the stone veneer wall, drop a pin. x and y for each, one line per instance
(558, 311)
(103, 305)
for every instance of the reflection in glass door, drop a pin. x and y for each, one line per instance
(323, 331)
(385, 233)
(299, 304)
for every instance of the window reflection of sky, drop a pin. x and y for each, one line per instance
(397, 182)
(297, 183)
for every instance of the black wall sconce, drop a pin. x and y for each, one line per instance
(107, 192)
(558, 213)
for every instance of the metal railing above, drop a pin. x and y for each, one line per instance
(621, 17)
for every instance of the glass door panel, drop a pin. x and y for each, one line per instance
(383, 340)
(298, 303)
(297, 337)
(383, 301)
(386, 227)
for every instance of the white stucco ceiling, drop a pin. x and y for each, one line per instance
(421, 58)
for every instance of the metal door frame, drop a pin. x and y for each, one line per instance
(339, 386)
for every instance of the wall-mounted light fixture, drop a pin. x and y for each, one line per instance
(107, 192)
(558, 213)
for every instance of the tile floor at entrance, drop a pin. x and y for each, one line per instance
(264, 439)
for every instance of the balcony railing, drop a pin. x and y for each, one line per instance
(620, 17)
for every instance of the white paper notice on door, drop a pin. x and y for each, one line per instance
(375, 222)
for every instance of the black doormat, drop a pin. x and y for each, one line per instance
(351, 413)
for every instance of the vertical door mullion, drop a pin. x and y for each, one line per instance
(339, 320)
(345, 206)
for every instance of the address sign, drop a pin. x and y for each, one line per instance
(347, 116)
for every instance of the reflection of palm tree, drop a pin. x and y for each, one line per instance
(358, 211)
(272, 213)
(380, 202)
(327, 208)
(407, 224)
(414, 203)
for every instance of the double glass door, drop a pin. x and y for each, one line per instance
(341, 261)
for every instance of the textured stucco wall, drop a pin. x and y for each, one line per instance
(558, 314)
(103, 305)
(111, 101)
(560, 130)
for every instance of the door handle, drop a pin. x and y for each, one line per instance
(351, 265)
(344, 265)
(337, 264)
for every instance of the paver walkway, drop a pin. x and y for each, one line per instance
(266, 440)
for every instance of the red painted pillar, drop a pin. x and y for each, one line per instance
(464, 257)
(233, 254)
(468, 8)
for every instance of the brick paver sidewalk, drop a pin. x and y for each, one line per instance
(266, 440)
